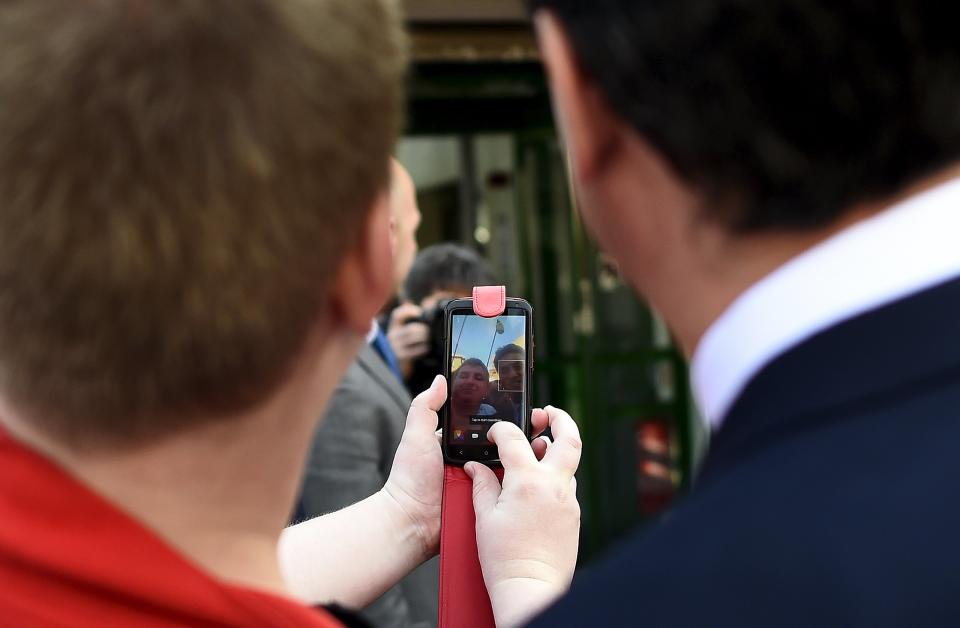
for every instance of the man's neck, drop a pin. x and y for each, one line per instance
(221, 493)
(218, 498)
(723, 266)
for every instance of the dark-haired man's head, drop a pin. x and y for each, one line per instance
(445, 271)
(711, 140)
(509, 362)
(782, 113)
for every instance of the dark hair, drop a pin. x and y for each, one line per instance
(446, 266)
(504, 350)
(782, 113)
(474, 362)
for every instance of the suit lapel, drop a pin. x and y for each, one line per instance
(867, 359)
(371, 362)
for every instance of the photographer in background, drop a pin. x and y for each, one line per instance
(440, 272)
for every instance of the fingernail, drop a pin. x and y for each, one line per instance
(468, 469)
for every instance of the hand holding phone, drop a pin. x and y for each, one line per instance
(528, 528)
(407, 333)
(488, 364)
(415, 483)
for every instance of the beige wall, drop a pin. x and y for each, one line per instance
(465, 10)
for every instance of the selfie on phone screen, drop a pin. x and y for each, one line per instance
(487, 375)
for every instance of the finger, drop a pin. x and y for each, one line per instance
(514, 447)
(422, 416)
(409, 308)
(414, 346)
(400, 337)
(411, 352)
(538, 421)
(411, 332)
(416, 333)
(564, 453)
(540, 446)
(434, 397)
(486, 487)
(403, 312)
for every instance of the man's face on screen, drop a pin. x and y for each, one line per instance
(510, 368)
(470, 385)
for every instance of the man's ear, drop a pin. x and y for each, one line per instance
(590, 128)
(365, 278)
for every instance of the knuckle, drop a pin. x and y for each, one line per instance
(529, 488)
(568, 504)
(563, 495)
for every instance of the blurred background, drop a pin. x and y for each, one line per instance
(482, 149)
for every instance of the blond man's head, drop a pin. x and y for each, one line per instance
(178, 182)
(405, 220)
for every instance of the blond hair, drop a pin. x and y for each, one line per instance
(178, 183)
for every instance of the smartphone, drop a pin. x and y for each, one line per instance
(488, 363)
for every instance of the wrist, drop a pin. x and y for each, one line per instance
(420, 539)
(517, 600)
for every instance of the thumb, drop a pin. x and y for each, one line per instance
(422, 417)
(486, 487)
(433, 398)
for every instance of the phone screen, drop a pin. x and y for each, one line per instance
(488, 379)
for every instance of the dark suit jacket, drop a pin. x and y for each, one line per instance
(829, 497)
(350, 460)
(503, 405)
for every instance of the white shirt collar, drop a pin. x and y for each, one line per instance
(374, 329)
(902, 250)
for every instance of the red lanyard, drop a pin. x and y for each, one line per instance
(464, 602)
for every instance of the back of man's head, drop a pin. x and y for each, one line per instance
(178, 182)
(782, 113)
(445, 267)
(405, 220)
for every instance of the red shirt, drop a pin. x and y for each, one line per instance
(69, 558)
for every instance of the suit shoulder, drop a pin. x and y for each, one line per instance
(360, 400)
(833, 526)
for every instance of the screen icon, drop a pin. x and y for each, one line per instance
(458, 435)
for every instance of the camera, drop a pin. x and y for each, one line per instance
(428, 366)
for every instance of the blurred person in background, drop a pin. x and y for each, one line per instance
(353, 449)
(780, 179)
(194, 237)
(440, 272)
